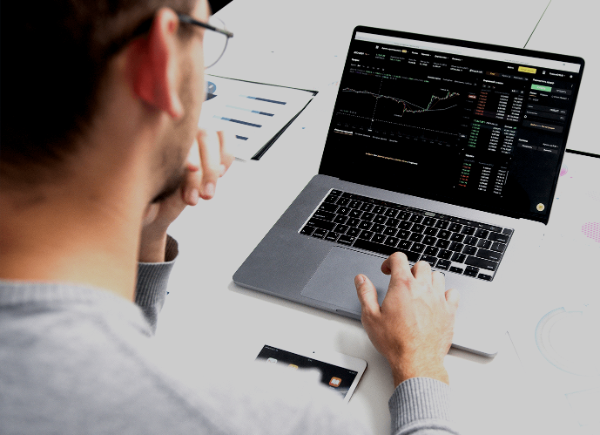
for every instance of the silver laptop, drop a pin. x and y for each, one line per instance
(446, 150)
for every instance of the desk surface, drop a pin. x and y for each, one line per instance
(209, 323)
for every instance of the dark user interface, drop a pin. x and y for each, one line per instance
(476, 132)
(334, 377)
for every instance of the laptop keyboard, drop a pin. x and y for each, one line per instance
(447, 243)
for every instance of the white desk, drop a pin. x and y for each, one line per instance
(209, 322)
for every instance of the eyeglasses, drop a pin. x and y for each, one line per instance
(215, 41)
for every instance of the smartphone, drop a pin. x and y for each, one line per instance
(338, 372)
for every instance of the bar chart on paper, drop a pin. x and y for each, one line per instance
(251, 113)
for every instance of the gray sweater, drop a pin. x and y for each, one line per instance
(78, 360)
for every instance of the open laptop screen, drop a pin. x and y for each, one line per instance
(470, 124)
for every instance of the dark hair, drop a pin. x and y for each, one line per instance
(54, 62)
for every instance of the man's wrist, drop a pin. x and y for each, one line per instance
(152, 249)
(402, 372)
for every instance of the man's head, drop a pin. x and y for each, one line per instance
(57, 70)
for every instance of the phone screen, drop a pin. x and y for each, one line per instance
(334, 377)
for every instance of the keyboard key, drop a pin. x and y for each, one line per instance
(443, 264)
(429, 241)
(384, 249)
(417, 228)
(471, 241)
(482, 233)
(355, 213)
(343, 201)
(484, 277)
(332, 237)
(378, 228)
(417, 218)
(442, 224)
(341, 229)
(365, 225)
(343, 210)
(379, 238)
(495, 237)
(457, 237)
(468, 230)
(340, 219)
(365, 235)
(458, 258)
(328, 207)
(417, 247)
(456, 247)
(471, 271)
(489, 255)
(307, 230)
(500, 247)
(507, 231)
(430, 231)
(442, 244)
(455, 228)
(332, 198)
(392, 241)
(355, 204)
(414, 237)
(389, 231)
(379, 219)
(481, 263)
(378, 209)
(404, 215)
(367, 216)
(403, 234)
(391, 212)
(429, 221)
(353, 222)
(391, 222)
(353, 232)
(430, 250)
(485, 244)
(324, 215)
(429, 259)
(336, 192)
(319, 233)
(443, 234)
(366, 206)
(318, 223)
(445, 254)
(456, 269)
(469, 250)
(405, 245)
(405, 225)
(346, 240)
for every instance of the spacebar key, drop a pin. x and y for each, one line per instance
(384, 249)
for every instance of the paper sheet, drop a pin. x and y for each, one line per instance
(251, 113)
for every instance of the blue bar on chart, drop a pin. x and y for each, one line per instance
(250, 110)
(264, 99)
(237, 121)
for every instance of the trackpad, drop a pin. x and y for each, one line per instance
(333, 282)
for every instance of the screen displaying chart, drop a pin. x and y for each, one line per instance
(476, 131)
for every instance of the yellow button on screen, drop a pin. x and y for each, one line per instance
(527, 70)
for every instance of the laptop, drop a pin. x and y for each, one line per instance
(446, 150)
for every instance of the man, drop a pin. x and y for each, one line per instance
(99, 120)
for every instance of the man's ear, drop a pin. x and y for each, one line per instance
(153, 66)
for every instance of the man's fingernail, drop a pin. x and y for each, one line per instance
(359, 279)
(209, 189)
(193, 196)
(223, 170)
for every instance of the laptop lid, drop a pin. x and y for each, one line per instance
(470, 124)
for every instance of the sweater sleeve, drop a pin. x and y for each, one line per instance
(151, 288)
(420, 406)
